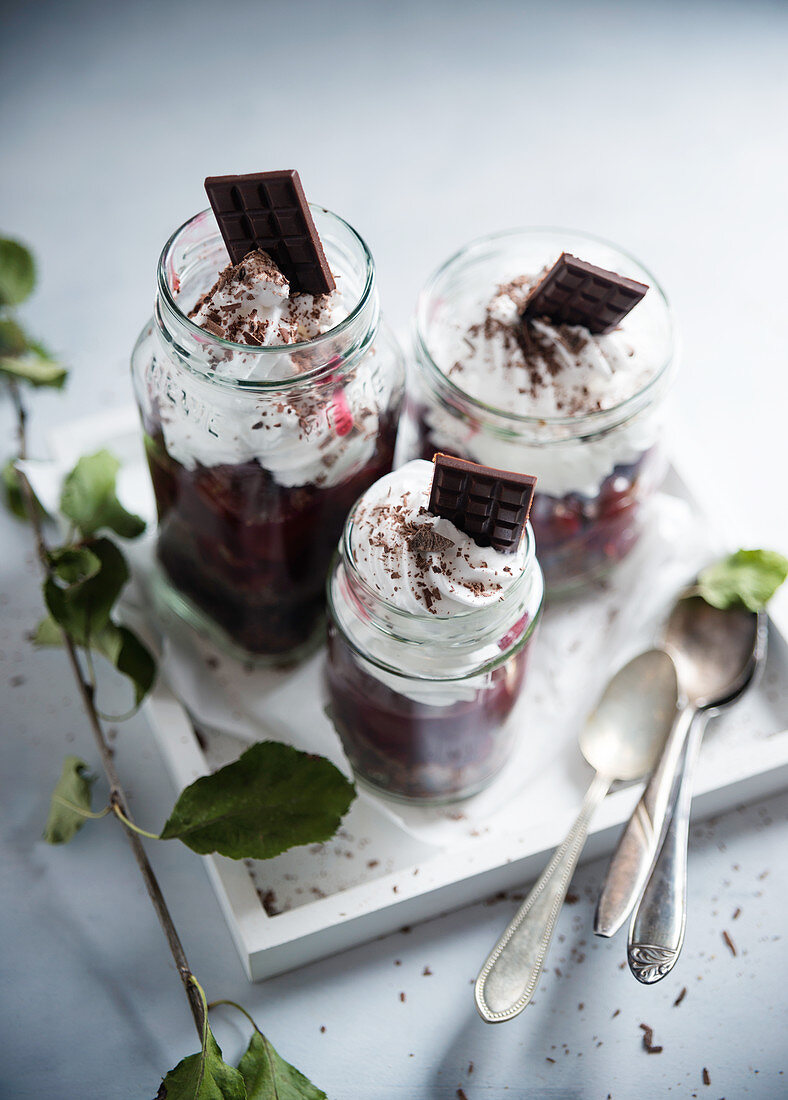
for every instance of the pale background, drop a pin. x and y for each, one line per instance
(660, 126)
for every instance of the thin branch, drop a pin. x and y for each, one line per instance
(117, 795)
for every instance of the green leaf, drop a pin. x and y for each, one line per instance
(82, 606)
(74, 564)
(74, 787)
(269, 1077)
(203, 1076)
(17, 272)
(748, 577)
(12, 492)
(89, 499)
(12, 338)
(129, 656)
(47, 633)
(270, 799)
(31, 367)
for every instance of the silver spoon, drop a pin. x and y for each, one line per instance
(713, 651)
(656, 934)
(622, 739)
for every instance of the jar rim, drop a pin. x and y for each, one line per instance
(315, 343)
(580, 422)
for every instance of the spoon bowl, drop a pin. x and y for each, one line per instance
(623, 736)
(712, 649)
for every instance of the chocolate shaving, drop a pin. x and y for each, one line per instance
(574, 292)
(680, 997)
(425, 540)
(490, 505)
(729, 944)
(706, 1078)
(648, 1040)
(213, 328)
(269, 211)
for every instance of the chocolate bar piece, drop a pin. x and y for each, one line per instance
(574, 292)
(490, 505)
(269, 210)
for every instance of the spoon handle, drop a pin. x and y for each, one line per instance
(508, 979)
(633, 858)
(656, 933)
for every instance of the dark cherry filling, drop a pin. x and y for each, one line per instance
(578, 536)
(415, 750)
(249, 552)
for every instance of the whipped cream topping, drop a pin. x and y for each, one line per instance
(419, 562)
(543, 370)
(251, 303)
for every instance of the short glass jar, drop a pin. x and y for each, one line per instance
(258, 453)
(420, 703)
(596, 471)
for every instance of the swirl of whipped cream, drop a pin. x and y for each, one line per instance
(419, 562)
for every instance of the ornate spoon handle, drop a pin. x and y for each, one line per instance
(656, 933)
(508, 979)
(632, 860)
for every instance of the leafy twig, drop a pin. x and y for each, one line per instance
(86, 691)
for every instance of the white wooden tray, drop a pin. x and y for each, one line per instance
(390, 866)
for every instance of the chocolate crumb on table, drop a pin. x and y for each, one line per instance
(470, 1068)
(461, 1094)
(426, 972)
(402, 997)
(706, 1078)
(680, 997)
(648, 1040)
(729, 944)
(736, 914)
(322, 1029)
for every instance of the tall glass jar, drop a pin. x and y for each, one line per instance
(420, 703)
(597, 471)
(258, 453)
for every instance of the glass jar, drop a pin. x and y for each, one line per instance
(596, 471)
(258, 453)
(419, 702)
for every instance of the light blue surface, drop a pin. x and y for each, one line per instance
(660, 126)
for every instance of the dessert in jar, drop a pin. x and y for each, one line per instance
(269, 392)
(550, 351)
(434, 599)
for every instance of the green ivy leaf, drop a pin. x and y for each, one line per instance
(12, 493)
(12, 338)
(129, 656)
(82, 605)
(74, 787)
(31, 367)
(269, 1077)
(748, 577)
(89, 499)
(272, 798)
(47, 633)
(17, 272)
(203, 1076)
